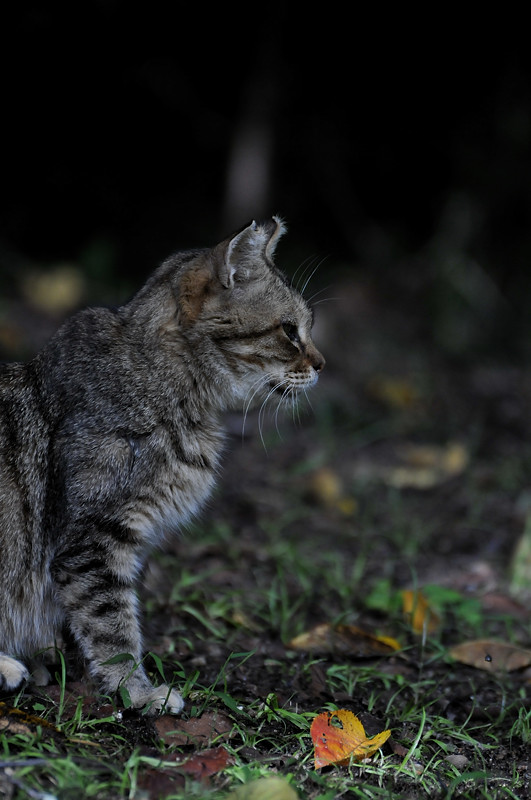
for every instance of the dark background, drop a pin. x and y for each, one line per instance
(397, 148)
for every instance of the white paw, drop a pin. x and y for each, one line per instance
(12, 672)
(163, 700)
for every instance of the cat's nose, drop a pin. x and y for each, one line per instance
(318, 362)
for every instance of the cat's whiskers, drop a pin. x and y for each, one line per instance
(256, 386)
(304, 266)
(325, 300)
(282, 399)
(261, 412)
(312, 273)
(317, 293)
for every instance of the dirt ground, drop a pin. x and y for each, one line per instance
(386, 388)
(314, 517)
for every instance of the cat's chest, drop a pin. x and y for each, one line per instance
(173, 476)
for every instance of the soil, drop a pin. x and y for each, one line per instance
(387, 385)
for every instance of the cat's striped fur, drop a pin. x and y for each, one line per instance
(111, 437)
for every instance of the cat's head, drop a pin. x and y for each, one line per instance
(241, 313)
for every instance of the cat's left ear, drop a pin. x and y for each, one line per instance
(252, 242)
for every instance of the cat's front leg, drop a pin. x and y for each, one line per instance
(101, 610)
(12, 673)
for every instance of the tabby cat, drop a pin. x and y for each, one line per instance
(112, 435)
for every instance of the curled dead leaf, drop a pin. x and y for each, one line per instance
(344, 639)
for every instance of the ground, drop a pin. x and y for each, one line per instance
(409, 470)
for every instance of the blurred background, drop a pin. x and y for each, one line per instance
(396, 146)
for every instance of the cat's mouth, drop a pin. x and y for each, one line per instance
(283, 388)
(288, 388)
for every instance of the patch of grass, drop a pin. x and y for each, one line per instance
(263, 568)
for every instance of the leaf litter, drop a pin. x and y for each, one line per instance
(467, 513)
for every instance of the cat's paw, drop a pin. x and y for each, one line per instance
(12, 673)
(157, 700)
(165, 701)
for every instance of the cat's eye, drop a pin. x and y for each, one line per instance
(291, 331)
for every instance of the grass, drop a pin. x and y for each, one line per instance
(268, 562)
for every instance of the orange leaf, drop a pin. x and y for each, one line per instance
(416, 607)
(345, 640)
(339, 736)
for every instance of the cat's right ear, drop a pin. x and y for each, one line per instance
(239, 252)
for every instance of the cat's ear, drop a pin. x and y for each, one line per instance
(252, 242)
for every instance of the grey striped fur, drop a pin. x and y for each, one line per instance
(111, 438)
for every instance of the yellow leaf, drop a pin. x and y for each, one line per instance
(422, 617)
(326, 488)
(399, 393)
(339, 737)
(426, 466)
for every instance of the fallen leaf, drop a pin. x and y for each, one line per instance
(199, 731)
(344, 639)
(491, 656)
(273, 788)
(339, 738)
(421, 616)
(326, 489)
(153, 783)
(399, 393)
(426, 466)
(502, 604)
(17, 721)
(206, 763)
(243, 620)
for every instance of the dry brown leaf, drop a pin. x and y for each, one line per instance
(344, 639)
(202, 765)
(207, 762)
(421, 616)
(491, 656)
(199, 731)
(18, 721)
